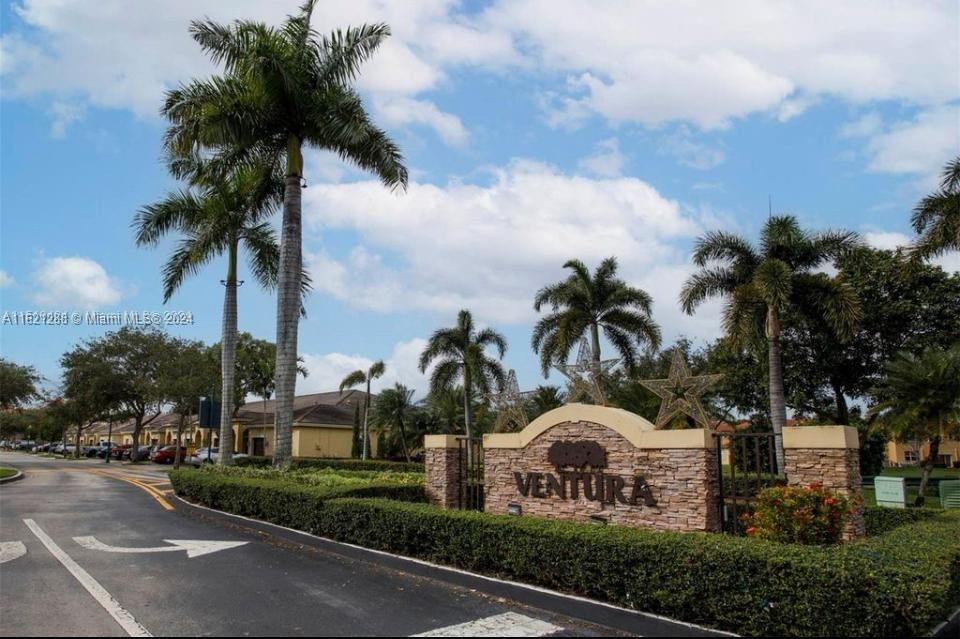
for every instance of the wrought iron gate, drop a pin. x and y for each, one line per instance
(746, 464)
(471, 473)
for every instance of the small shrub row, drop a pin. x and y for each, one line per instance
(901, 583)
(325, 477)
(879, 520)
(337, 463)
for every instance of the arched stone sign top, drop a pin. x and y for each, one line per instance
(632, 427)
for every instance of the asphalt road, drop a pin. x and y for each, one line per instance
(128, 579)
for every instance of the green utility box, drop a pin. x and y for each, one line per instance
(950, 493)
(891, 491)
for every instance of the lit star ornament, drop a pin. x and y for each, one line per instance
(510, 405)
(586, 375)
(681, 392)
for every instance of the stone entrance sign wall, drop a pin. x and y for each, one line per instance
(590, 463)
(587, 463)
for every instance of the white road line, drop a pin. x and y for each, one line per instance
(508, 624)
(10, 550)
(98, 592)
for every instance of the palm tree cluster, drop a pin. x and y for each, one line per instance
(282, 89)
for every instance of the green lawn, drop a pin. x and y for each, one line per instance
(7, 472)
(914, 472)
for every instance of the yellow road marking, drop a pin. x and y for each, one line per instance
(153, 492)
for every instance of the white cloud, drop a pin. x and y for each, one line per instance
(682, 146)
(403, 111)
(6, 279)
(709, 63)
(66, 56)
(63, 114)
(79, 282)
(490, 247)
(645, 61)
(328, 369)
(606, 160)
(892, 240)
(918, 146)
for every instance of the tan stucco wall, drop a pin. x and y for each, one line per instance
(323, 442)
(896, 451)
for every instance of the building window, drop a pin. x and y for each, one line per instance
(911, 457)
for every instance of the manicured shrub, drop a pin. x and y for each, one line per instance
(338, 463)
(901, 583)
(798, 515)
(879, 520)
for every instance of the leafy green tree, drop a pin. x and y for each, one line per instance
(357, 377)
(392, 412)
(761, 284)
(18, 384)
(906, 305)
(919, 398)
(460, 354)
(221, 213)
(586, 304)
(91, 385)
(937, 217)
(188, 374)
(284, 88)
(137, 356)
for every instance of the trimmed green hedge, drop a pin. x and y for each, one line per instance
(900, 583)
(338, 464)
(880, 520)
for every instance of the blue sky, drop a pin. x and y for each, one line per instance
(534, 131)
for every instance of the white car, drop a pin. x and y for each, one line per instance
(205, 455)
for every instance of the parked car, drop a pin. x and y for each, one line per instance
(142, 453)
(117, 451)
(167, 455)
(201, 457)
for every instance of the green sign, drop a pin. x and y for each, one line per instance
(890, 491)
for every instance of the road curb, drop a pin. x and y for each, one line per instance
(18, 476)
(634, 622)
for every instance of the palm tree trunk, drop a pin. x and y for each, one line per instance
(468, 414)
(228, 358)
(403, 441)
(288, 305)
(595, 344)
(778, 406)
(843, 412)
(927, 470)
(366, 411)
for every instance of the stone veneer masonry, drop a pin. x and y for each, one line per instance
(442, 462)
(682, 477)
(681, 480)
(834, 462)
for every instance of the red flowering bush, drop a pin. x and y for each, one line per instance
(798, 515)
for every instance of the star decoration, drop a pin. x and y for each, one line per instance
(510, 405)
(681, 392)
(586, 375)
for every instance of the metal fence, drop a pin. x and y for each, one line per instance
(746, 464)
(471, 473)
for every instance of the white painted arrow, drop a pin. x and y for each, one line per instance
(194, 547)
(10, 550)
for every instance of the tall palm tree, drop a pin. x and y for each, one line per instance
(761, 284)
(284, 88)
(590, 303)
(392, 410)
(920, 399)
(460, 352)
(357, 377)
(937, 217)
(218, 215)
